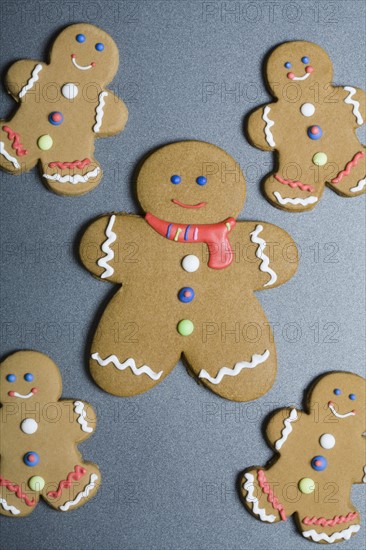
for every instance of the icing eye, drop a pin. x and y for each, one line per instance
(288, 65)
(80, 38)
(175, 179)
(305, 60)
(352, 396)
(99, 47)
(11, 378)
(28, 377)
(337, 392)
(201, 180)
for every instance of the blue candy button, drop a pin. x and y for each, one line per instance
(319, 463)
(186, 294)
(315, 132)
(31, 458)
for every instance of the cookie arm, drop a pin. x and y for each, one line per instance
(22, 79)
(111, 115)
(261, 127)
(355, 98)
(81, 416)
(272, 255)
(102, 247)
(280, 427)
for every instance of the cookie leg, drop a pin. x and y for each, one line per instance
(74, 489)
(16, 500)
(14, 156)
(75, 177)
(350, 180)
(337, 528)
(292, 195)
(259, 498)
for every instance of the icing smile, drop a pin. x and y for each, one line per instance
(16, 394)
(183, 205)
(308, 72)
(331, 406)
(81, 67)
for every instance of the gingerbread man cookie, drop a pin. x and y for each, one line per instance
(312, 126)
(63, 107)
(39, 434)
(188, 271)
(320, 454)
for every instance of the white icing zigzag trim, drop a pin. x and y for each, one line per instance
(364, 477)
(355, 103)
(99, 113)
(249, 487)
(225, 371)
(129, 363)
(346, 534)
(37, 69)
(82, 494)
(7, 155)
(77, 178)
(287, 429)
(270, 123)
(79, 409)
(109, 254)
(361, 184)
(264, 266)
(9, 508)
(298, 200)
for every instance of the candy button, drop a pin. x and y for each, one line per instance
(327, 441)
(307, 109)
(319, 463)
(55, 118)
(185, 327)
(186, 294)
(69, 90)
(190, 263)
(320, 159)
(306, 485)
(29, 426)
(36, 483)
(31, 458)
(315, 132)
(45, 142)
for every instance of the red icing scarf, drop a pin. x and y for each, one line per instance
(215, 235)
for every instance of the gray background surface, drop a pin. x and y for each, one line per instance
(170, 458)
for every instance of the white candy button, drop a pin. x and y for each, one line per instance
(190, 263)
(327, 441)
(307, 109)
(69, 90)
(29, 426)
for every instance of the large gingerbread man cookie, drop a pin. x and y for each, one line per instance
(63, 107)
(39, 434)
(312, 126)
(188, 271)
(320, 454)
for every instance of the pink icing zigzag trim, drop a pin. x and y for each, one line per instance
(264, 485)
(17, 490)
(74, 164)
(77, 474)
(330, 522)
(294, 184)
(351, 164)
(16, 145)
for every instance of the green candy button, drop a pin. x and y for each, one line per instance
(320, 159)
(185, 327)
(45, 142)
(306, 485)
(36, 483)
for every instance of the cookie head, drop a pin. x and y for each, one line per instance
(191, 182)
(340, 395)
(303, 63)
(27, 376)
(85, 53)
